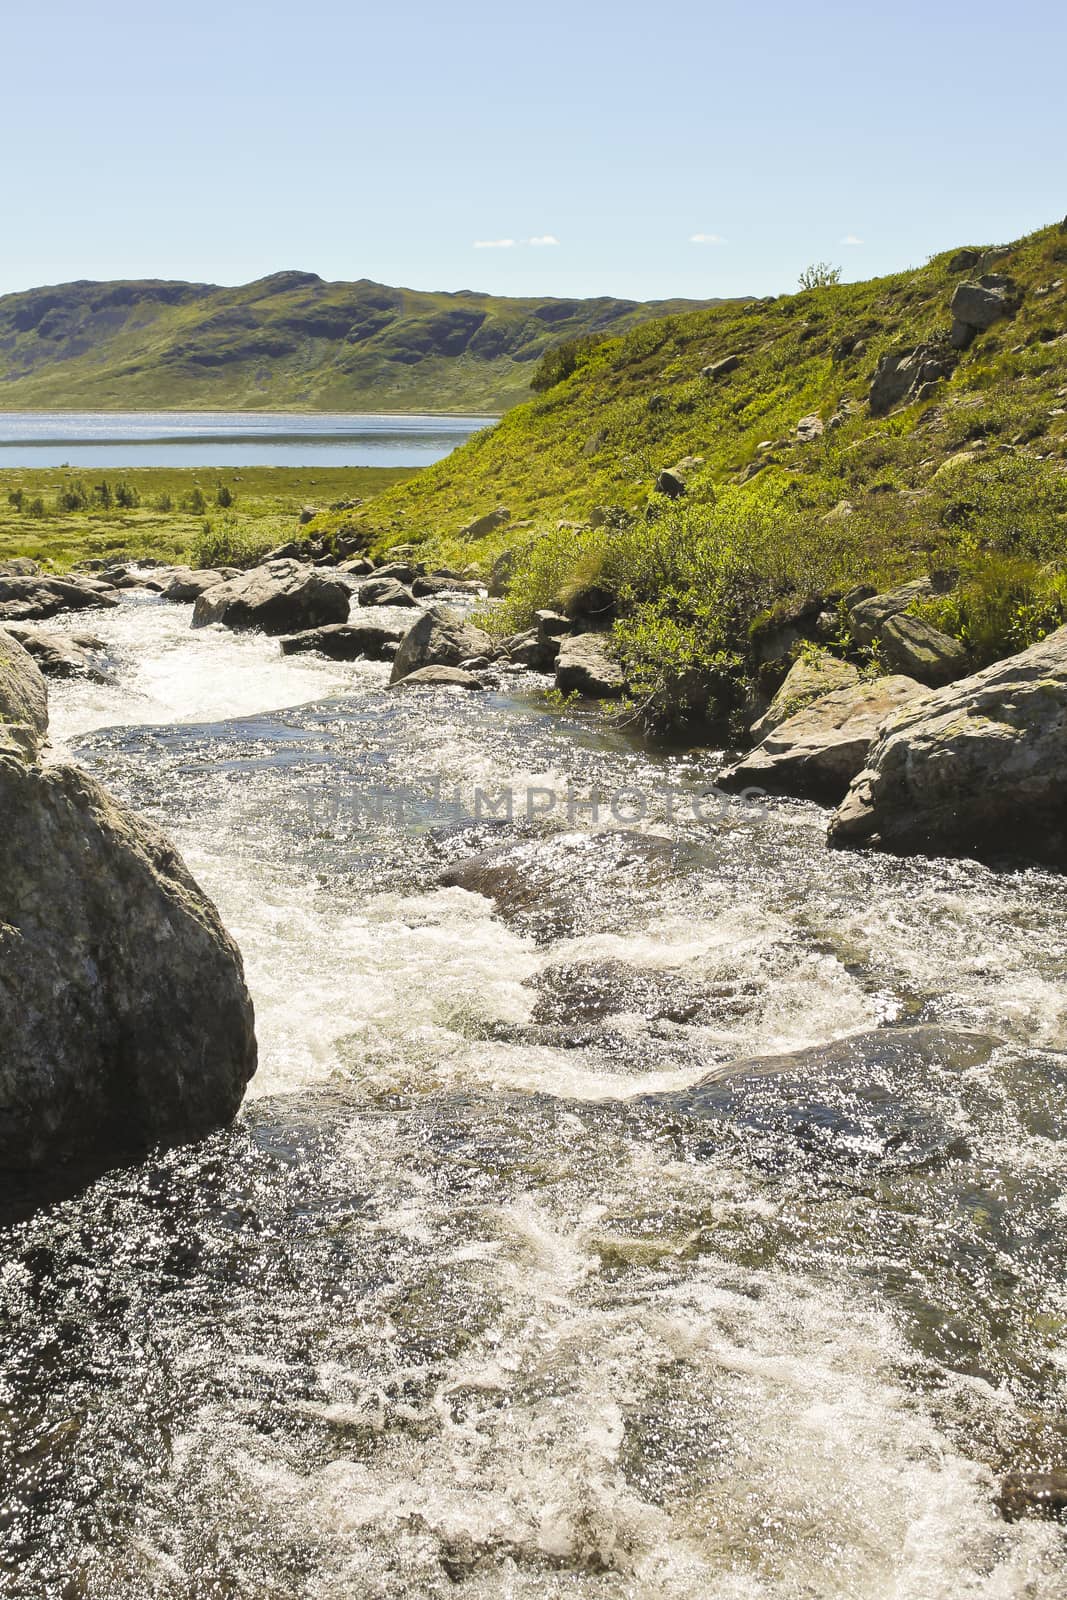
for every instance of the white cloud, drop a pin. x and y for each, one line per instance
(544, 239)
(706, 238)
(850, 238)
(494, 244)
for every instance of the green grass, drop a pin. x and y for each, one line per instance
(975, 476)
(289, 341)
(178, 516)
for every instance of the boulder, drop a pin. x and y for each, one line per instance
(35, 599)
(978, 767)
(126, 1018)
(366, 637)
(438, 677)
(976, 306)
(442, 637)
(19, 567)
(281, 597)
(404, 572)
(720, 369)
(23, 701)
(919, 650)
(188, 584)
(674, 481)
(965, 260)
(64, 655)
(910, 374)
(307, 514)
(484, 525)
(809, 429)
(869, 614)
(808, 679)
(384, 592)
(586, 666)
(359, 567)
(427, 587)
(819, 750)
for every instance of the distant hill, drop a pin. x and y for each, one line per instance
(288, 341)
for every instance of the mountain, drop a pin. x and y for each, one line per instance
(849, 433)
(288, 341)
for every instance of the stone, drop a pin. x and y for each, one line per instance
(808, 429)
(819, 750)
(64, 655)
(372, 637)
(404, 572)
(674, 481)
(809, 678)
(188, 584)
(978, 305)
(384, 592)
(35, 599)
(586, 666)
(868, 616)
(916, 648)
(281, 597)
(127, 1023)
(964, 260)
(427, 587)
(840, 512)
(358, 567)
(1032, 1494)
(904, 374)
(438, 677)
(23, 703)
(482, 526)
(774, 637)
(307, 514)
(720, 369)
(978, 767)
(442, 637)
(19, 567)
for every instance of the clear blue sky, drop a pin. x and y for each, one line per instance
(221, 142)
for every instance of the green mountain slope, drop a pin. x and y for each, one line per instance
(801, 483)
(288, 341)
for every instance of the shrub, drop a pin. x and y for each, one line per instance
(560, 362)
(230, 545)
(820, 275)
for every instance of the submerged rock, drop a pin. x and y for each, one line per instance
(979, 767)
(586, 666)
(282, 597)
(1033, 1494)
(126, 1021)
(817, 752)
(442, 637)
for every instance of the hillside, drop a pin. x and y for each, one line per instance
(840, 435)
(289, 341)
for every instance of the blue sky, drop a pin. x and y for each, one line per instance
(221, 142)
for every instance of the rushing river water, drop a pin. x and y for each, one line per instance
(482, 1295)
(228, 439)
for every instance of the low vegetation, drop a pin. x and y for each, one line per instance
(60, 516)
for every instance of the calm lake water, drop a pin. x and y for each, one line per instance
(228, 439)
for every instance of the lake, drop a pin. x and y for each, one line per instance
(228, 439)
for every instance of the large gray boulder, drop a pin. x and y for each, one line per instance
(808, 679)
(23, 701)
(586, 666)
(979, 767)
(281, 597)
(976, 306)
(438, 678)
(442, 637)
(188, 583)
(818, 751)
(19, 567)
(869, 613)
(65, 655)
(921, 651)
(374, 637)
(910, 374)
(126, 1021)
(384, 592)
(35, 599)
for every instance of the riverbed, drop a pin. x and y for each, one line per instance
(490, 1291)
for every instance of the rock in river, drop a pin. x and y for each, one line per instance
(809, 678)
(373, 637)
(281, 597)
(438, 677)
(442, 637)
(585, 665)
(979, 767)
(23, 700)
(33, 599)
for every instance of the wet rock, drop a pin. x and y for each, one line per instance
(426, 588)
(23, 702)
(482, 526)
(442, 637)
(372, 638)
(35, 599)
(591, 991)
(282, 597)
(126, 1019)
(818, 752)
(809, 678)
(438, 677)
(978, 767)
(910, 374)
(188, 584)
(915, 648)
(358, 567)
(1033, 1494)
(65, 655)
(384, 592)
(404, 572)
(524, 650)
(586, 666)
(883, 1100)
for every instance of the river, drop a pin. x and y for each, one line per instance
(93, 439)
(482, 1295)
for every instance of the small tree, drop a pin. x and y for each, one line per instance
(820, 275)
(102, 494)
(126, 496)
(16, 498)
(224, 496)
(195, 502)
